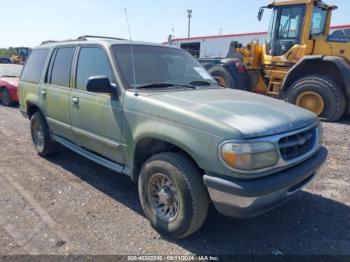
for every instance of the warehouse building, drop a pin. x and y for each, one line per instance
(218, 45)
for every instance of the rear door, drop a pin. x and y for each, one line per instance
(55, 93)
(96, 117)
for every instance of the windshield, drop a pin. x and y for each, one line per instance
(285, 29)
(154, 64)
(10, 70)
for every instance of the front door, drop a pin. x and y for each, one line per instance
(96, 117)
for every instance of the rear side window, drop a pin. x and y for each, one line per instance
(62, 67)
(34, 66)
(92, 62)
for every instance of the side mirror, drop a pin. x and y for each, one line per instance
(99, 84)
(261, 13)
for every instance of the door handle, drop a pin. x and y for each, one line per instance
(43, 92)
(75, 100)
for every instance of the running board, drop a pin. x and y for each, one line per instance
(93, 157)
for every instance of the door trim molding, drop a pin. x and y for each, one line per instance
(59, 123)
(96, 137)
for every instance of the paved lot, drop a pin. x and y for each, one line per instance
(68, 205)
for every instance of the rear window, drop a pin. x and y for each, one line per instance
(34, 66)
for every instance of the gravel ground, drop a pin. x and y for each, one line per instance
(69, 205)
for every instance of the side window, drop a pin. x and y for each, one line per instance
(34, 66)
(62, 67)
(319, 20)
(92, 61)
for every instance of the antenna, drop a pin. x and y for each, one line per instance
(131, 48)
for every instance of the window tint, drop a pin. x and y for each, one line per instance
(34, 66)
(92, 62)
(62, 67)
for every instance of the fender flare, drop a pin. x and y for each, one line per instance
(31, 100)
(342, 65)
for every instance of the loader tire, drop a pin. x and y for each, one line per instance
(319, 94)
(223, 77)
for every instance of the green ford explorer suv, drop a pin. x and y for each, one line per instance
(153, 113)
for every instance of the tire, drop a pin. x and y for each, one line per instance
(334, 101)
(192, 197)
(225, 77)
(41, 136)
(5, 97)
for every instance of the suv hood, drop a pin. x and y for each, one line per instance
(251, 114)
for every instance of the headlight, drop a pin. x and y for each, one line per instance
(249, 156)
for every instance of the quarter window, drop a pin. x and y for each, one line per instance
(34, 66)
(92, 62)
(62, 67)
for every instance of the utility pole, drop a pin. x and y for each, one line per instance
(189, 13)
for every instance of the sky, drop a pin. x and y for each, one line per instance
(29, 22)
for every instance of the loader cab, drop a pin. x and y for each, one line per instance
(293, 24)
(285, 29)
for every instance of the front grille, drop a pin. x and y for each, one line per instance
(294, 146)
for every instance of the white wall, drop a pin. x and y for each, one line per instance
(218, 46)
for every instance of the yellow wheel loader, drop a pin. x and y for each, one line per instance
(300, 61)
(20, 55)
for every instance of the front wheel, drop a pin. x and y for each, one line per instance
(320, 95)
(173, 195)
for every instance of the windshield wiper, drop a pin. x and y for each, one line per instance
(201, 83)
(165, 85)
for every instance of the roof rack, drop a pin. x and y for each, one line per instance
(81, 38)
(56, 41)
(48, 42)
(85, 37)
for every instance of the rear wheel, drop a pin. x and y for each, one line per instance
(5, 97)
(223, 77)
(41, 136)
(173, 195)
(320, 95)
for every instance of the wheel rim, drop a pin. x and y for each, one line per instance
(5, 97)
(163, 197)
(311, 101)
(38, 136)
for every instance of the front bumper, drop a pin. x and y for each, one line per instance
(242, 198)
